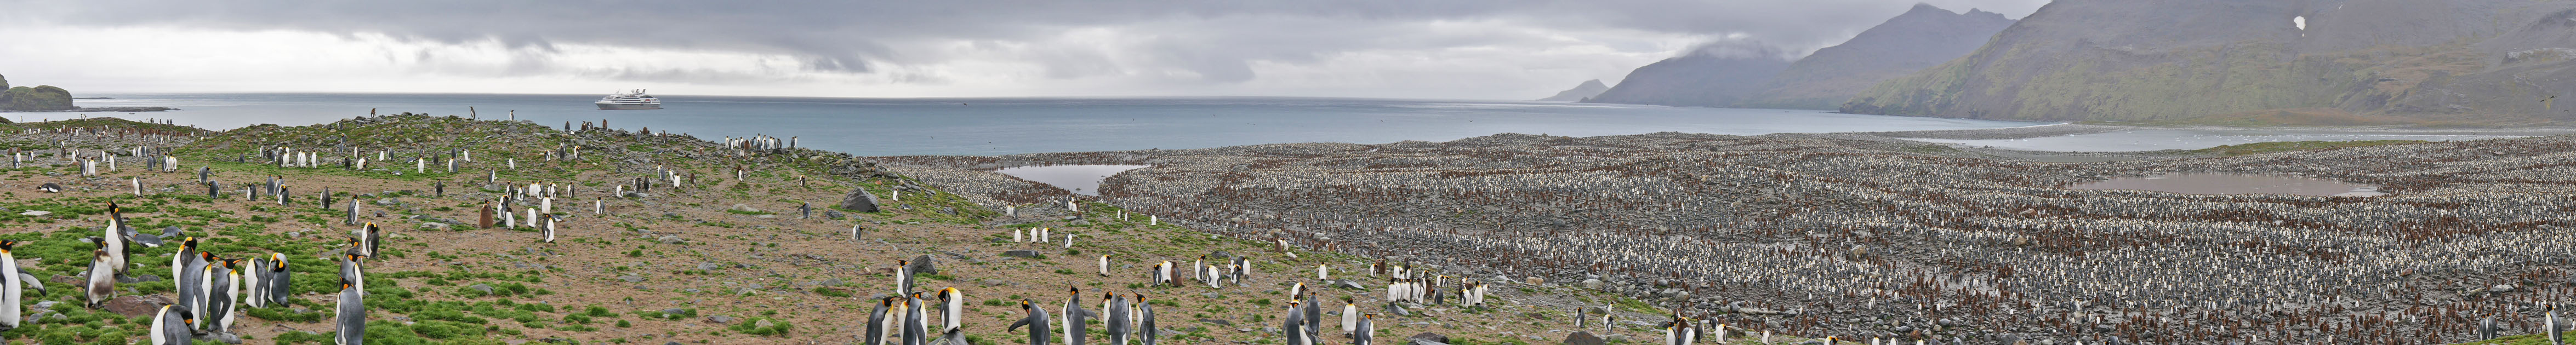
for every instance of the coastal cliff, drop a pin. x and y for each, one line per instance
(1754, 77)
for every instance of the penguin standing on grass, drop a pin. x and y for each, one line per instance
(1036, 321)
(902, 277)
(179, 261)
(15, 286)
(351, 322)
(171, 326)
(114, 241)
(1350, 317)
(227, 297)
(277, 280)
(254, 291)
(912, 325)
(102, 280)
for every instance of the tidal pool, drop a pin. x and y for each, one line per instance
(2224, 183)
(1080, 179)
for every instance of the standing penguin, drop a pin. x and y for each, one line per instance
(370, 237)
(276, 280)
(254, 291)
(191, 285)
(1314, 316)
(1036, 321)
(2549, 323)
(952, 308)
(1350, 317)
(920, 315)
(1293, 326)
(912, 334)
(170, 326)
(1145, 320)
(354, 271)
(876, 328)
(1365, 333)
(902, 277)
(549, 229)
(14, 287)
(102, 280)
(1075, 331)
(210, 294)
(352, 319)
(1119, 314)
(226, 300)
(179, 260)
(114, 241)
(1104, 265)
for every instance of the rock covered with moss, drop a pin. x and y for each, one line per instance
(46, 97)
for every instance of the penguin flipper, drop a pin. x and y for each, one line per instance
(1015, 326)
(31, 281)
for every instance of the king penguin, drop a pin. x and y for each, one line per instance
(277, 280)
(2556, 331)
(354, 271)
(102, 280)
(902, 277)
(1104, 265)
(1075, 331)
(227, 297)
(876, 328)
(1036, 321)
(15, 287)
(1365, 333)
(1145, 320)
(189, 284)
(952, 308)
(1293, 325)
(351, 323)
(911, 321)
(1350, 317)
(254, 290)
(171, 326)
(550, 229)
(179, 260)
(114, 242)
(1119, 316)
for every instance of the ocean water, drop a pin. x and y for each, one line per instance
(993, 126)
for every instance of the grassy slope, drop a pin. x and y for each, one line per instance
(611, 277)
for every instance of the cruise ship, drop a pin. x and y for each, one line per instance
(630, 100)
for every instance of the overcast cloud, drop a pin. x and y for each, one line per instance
(1480, 49)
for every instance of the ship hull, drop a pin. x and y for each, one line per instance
(617, 106)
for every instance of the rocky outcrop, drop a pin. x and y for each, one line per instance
(2165, 60)
(1923, 37)
(859, 200)
(46, 97)
(1579, 93)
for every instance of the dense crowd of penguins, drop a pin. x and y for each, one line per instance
(1834, 236)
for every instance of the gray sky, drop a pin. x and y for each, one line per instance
(1470, 49)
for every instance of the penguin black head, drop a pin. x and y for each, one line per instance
(345, 285)
(190, 243)
(7, 245)
(1140, 298)
(209, 257)
(233, 264)
(277, 262)
(1076, 291)
(1024, 305)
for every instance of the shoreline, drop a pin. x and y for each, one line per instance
(98, 109)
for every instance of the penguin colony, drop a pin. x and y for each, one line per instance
(1801, 234)
(2138, 315)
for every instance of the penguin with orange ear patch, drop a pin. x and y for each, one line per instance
(352, 319)
(13, 283)
(171, 326)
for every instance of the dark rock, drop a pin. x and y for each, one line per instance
(1397, 310)
(1582, 338)
(134, 306)
(1219, 322)
(485, 288)
(859, 200)
(1021, 253)
(831, 214)
(922, 265)
(721, 319)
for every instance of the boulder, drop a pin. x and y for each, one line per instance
(859, 200)
(1582, 338)
(1021, 253)
(134, 306)
(922, 265)
(742, 208)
